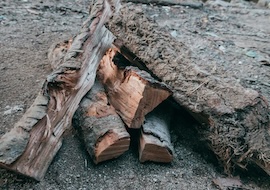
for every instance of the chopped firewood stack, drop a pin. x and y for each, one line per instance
(129, 94)
(134, 93)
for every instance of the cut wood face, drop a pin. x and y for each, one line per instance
(102, 130)
(131, 91)
(111, 146)
(155, 140)
(152, 149)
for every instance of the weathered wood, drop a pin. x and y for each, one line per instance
(57, 53)
(155, 140)
(102, 130)
(235, 119)
(132, 92)
(30, 146)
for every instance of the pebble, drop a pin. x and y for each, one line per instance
(222, 48)
(155, 180)
(12, 110)
(174, 33)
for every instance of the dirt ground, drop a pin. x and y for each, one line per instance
(229, 39)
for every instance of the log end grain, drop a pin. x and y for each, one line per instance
(112, 145)
(102, 130)
(155, 140)
(152, 149)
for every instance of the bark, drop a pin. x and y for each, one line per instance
(57, 53)
(132, 92)
(155, 140)
(235, 119)
(31, 145)
(102, 130)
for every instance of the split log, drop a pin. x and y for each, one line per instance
(31, 145)
(102, 130)
(132, 92)
(155, 140)
(235, 119)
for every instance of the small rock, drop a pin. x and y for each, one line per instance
(154, 15)
(12, 110)
(174, 33)
(2, 17)
(79, 16)
(222, 48)
(211, 34)
(251, 53)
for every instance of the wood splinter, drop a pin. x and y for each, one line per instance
(131, 91)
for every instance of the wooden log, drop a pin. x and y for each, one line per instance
(31, 145)
(155, 139)
(102, 130)
(132, 92)
(235, 119)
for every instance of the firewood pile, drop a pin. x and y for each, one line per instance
(120, 72)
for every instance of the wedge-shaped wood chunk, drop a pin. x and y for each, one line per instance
(155, 140)
(131, 91)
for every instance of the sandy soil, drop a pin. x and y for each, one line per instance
(229, 39)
